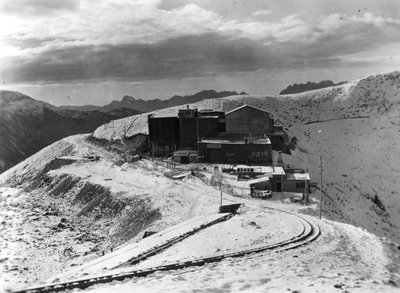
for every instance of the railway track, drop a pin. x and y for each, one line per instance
(85, 269)
(309, 232)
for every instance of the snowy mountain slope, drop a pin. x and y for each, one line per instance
(60, 210)
(354, 126)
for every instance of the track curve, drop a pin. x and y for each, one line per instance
(309, 232)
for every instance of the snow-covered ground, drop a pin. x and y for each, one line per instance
(34, 246)
(250, 229)
(344, 258)
(120, 256)
(59, 210)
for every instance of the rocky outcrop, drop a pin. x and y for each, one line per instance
(309, 86)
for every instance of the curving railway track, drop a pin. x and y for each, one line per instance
(309, 232)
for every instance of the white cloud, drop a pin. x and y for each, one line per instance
(262, 12)
(118, 22)
(142, 21)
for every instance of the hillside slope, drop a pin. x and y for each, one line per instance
(60, 210)
(354, 127)
(28, 125)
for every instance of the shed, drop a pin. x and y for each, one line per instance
(297, 182)
(185, 156)
(291, 181)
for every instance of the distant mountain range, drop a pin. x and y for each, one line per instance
(156, 104)
(309, 86)
(28, 125)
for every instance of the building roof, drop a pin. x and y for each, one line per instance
(263, 140)
(278, 171)
(184, 153)
(298, 176)
(258, 180)
(164, 115)
(208, 117)
(260, 169)
(267, 170)
(244, 106)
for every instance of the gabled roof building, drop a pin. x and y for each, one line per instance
(249, 119)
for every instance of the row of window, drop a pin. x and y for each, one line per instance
(263, 154)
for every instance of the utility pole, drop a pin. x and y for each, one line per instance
(220, 185)
(320, 197)
(198, 135)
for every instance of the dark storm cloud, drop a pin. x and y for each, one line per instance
(208, 54)
(37, 7)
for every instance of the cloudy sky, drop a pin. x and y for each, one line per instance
(94, 51)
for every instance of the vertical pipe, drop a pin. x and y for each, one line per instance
(197, 129)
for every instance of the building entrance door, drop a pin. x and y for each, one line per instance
(278, 186)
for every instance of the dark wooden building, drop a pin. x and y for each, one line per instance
(221, 118)
(194, 125)
(249, 119)
(240, 151)
(163, 135)
(169, 134)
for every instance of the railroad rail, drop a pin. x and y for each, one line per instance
(309, 232)
(172, 241)
(153, 250)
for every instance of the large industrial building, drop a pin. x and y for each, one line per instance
(194, 125)
(169, 134)
(244, 135)
(249, 119)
